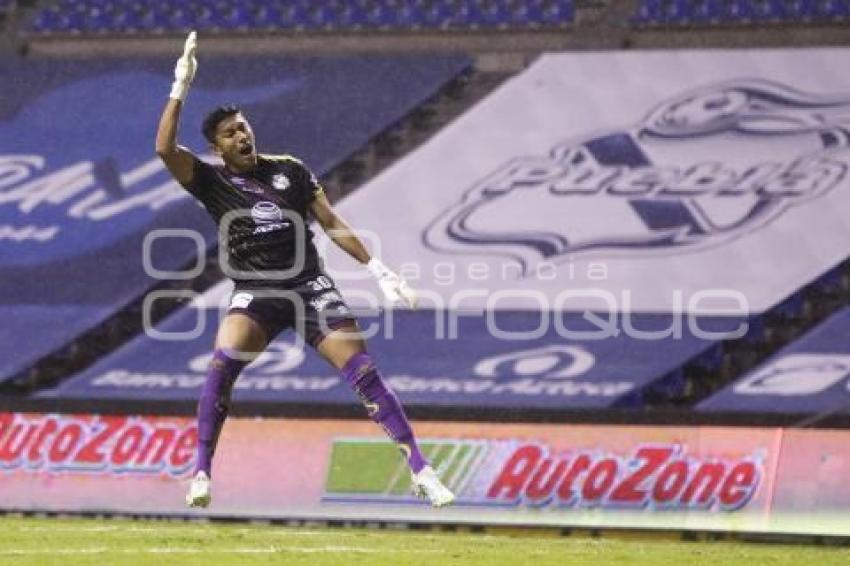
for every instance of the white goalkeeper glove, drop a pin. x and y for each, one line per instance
(394, 287)
(184, 70)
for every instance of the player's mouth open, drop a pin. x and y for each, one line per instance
(246, 149)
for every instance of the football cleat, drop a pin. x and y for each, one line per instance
(427, 485)
(200, 492)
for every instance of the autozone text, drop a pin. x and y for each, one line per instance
(95, 444)
(655, 476)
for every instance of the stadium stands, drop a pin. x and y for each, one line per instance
(520, 210)
(784, 301)
(738, 12)
(530, 208)
(144, 16)
(149, 16)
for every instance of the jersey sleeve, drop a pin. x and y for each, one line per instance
(203, 179)
(307, 183)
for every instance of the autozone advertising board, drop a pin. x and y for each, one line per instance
(706, 478)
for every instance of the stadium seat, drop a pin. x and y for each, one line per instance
(738, 12)
(670, 387)
(105, 16)
(711, 360)
(756, 335)
(833, 281)
(791, 308)
(118, 16)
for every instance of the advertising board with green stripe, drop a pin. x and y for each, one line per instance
(513, 472)
(570, 476)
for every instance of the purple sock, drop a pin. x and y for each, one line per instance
(214, 404)
(383, 406)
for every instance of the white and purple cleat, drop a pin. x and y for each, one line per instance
(427, 485)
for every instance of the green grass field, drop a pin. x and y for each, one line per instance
(126, 542)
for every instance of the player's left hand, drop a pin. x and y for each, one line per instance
(391, 284)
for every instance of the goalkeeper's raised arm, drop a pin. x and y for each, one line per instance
(179, 160)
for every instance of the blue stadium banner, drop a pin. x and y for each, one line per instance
(510, 360)
(810, 375)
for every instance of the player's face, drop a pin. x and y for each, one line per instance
(234, 143)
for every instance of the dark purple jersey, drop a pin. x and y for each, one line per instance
(263, 217)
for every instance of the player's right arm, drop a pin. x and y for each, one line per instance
(179, 160)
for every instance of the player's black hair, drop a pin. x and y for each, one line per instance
(215, 117)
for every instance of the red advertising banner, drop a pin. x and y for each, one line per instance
(529, 474)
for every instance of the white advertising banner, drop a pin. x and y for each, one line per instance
(697, 181)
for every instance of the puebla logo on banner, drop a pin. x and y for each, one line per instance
(700, 170)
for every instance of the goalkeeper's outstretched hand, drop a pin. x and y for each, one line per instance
(184, 70)
(391, 284)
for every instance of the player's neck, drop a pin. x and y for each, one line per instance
(241, 169)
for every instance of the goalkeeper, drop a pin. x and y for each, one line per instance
(261, 204)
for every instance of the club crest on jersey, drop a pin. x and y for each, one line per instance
(701, 169)
(280, 182)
